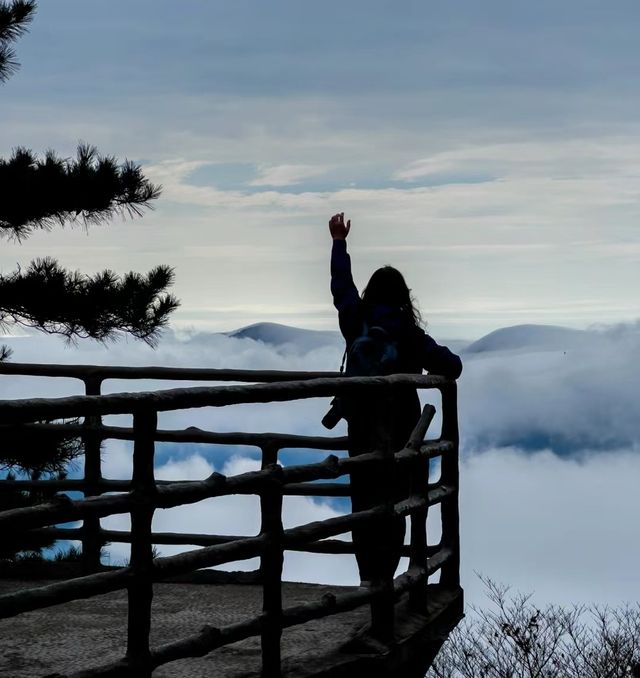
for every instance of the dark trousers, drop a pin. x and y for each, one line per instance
(378, 544)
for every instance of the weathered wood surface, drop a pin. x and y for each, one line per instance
(450, 513)
(193, 434)
(328, 546)
(179, 610)
(33, 409)
(140, 586)
(91, 544)
(63, 509)
(183, 610)
(101, 372)
(270, 483)
(271, 564)
(27, 599)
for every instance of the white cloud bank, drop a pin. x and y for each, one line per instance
(550, 453)
(563, 529)
(573, 397)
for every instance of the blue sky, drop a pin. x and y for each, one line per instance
(488, 150)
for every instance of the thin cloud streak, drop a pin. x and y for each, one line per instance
(286, 175)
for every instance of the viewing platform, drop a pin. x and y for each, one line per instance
(167, 616)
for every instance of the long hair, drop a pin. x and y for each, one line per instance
(388, 287)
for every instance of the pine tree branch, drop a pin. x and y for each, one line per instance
(56, 301)
(14, 20)
(39, 453)
(39, 193)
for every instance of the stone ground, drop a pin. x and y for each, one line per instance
(87, 633)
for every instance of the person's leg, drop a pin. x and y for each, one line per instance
(378, 545)
(406, 412)
(365, 494)
(364, 536)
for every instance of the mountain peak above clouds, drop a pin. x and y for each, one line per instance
(536, 337)
(276, 334)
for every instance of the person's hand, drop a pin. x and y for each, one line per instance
(339, 230)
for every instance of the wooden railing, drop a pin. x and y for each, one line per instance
(142, 494)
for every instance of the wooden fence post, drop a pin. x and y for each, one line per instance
(383, 604)
(141, 587)
(450, 573)
(91, 540)
(271, 569)
(419, 490)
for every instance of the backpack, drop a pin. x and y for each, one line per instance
(374, 353)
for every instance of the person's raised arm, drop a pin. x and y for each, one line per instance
(345, 294)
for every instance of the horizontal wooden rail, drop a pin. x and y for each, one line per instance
(208, 556)
(309, 489)
(29, 410)
(196, 435)
(36, 598)
(185, 539)
(168, 566)
(63, 509)
(102, 372)
(441, 492)
(434, 496)
(328, 546)
(103, 582)
(78, 485)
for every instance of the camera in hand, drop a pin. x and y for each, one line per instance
(333, 416)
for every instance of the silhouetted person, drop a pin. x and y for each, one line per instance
(386, 302)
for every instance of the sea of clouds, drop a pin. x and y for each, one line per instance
(550, 457)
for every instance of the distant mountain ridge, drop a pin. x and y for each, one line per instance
(549, 337)
(513, 338)
(276, 334)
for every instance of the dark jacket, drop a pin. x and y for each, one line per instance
(417, 350)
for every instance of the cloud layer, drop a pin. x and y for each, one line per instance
(550, 453)
(573, 398)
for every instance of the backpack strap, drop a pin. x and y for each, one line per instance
(344, 358)
(365, 330)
